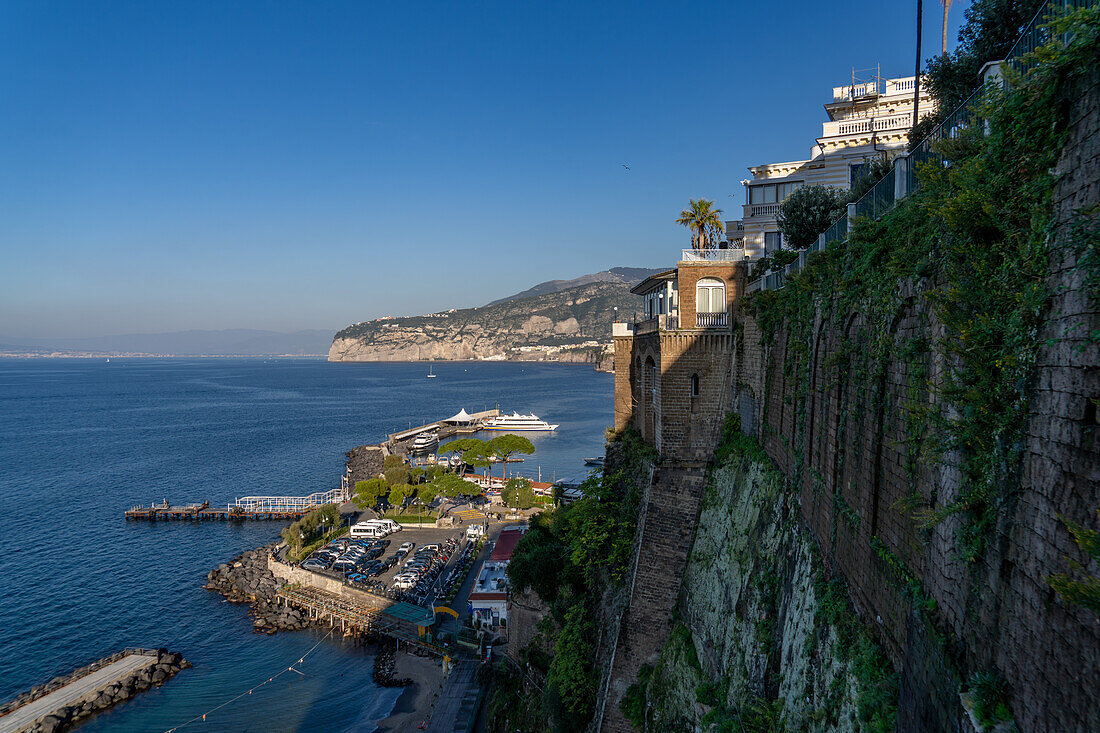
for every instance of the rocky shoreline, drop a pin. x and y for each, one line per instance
(247, 579)
(167, 665)
(385, 662)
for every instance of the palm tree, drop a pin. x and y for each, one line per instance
(703, 221)
(946, 6)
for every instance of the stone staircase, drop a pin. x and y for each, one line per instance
(665, 540)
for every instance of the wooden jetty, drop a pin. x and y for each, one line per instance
(401, 621)
(165, 511)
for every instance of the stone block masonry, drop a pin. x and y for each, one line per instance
(841, 434)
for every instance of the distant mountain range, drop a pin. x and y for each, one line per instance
(558, 320)
(232, 342)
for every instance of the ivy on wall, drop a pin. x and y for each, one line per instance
(974, 241)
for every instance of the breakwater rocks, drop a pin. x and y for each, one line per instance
(162, 666)
(246, 579)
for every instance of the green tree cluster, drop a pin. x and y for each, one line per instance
(518, 494)
(809, 211)
(312, 525)
(571, 556)
(370, 493)
(484, 453)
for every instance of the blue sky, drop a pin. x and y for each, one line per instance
(277, 165)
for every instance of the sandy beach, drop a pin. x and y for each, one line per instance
(417, 700)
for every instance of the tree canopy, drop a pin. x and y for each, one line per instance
(400, 493)
(451, 485)
(704, 222)
(809, 211)
(991, 29)
(323, 517)
(368, 493)
(507, 445)
(518, 494)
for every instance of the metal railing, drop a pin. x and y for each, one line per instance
(291, 503)
(883, 195)
(670, 321)
(712, 320)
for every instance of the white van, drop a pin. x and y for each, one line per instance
(370, 531)
(387, 524)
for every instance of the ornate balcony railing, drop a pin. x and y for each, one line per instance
(752, 210)
(712, 320)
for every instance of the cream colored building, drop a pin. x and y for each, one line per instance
(865, 119)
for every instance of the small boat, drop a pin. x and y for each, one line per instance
(597, 461)
(518, 422)
(430, 375)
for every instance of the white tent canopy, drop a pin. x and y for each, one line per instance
(461, 417)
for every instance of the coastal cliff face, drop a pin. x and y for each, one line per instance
(572, 325)
(763, 636)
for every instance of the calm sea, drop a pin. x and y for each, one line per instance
(83, 440)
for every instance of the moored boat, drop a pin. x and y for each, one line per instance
(425, 442)
(518, 422)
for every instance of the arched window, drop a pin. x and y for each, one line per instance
(694, 385)
(710, 296)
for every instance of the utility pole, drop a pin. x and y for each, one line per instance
(916, 74)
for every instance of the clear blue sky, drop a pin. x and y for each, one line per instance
(174, 165)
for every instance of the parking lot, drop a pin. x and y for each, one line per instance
(430, 573)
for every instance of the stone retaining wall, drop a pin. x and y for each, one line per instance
(291, 574)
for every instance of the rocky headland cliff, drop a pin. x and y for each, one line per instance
(565, 321)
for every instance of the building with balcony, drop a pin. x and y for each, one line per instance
(866, 119)
(672, 364)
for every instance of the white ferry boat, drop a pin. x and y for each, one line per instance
(425, 442)
(517, 422)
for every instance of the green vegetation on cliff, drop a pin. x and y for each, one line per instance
(974, 239)
(573, 558)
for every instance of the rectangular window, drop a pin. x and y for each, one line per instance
(773, 242)
(855, 170)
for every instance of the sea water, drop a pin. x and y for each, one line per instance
(82, 440)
